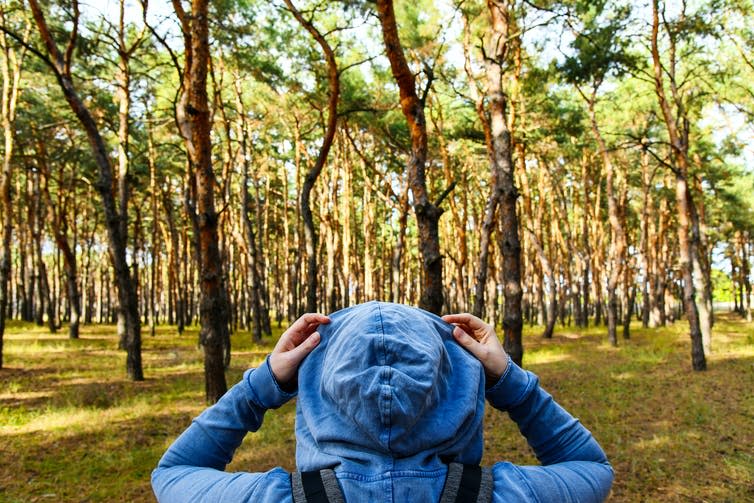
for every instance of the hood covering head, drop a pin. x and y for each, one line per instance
(388, 388)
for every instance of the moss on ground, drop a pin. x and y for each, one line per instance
(72, 428)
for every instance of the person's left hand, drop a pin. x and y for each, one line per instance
(295, 343)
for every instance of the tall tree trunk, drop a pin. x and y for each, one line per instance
(687, 238)
(427, 213)
(155, 248)
(10, 67)
(617, 234)
(746, 251)
(61, 65)
(45, 304)
(58, 223)
(702, 271)
(333, 78)
(548, 271)
(193, 117)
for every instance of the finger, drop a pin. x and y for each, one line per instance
(308, 321)
(297, 354)
(467, 329)
(305, 326)
(464, 318)
(468, 342)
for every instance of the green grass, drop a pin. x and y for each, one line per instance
(72, 428)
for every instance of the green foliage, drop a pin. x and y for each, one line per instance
(601, 49)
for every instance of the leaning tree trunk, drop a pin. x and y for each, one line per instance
(61, 65)
(193, 117)
(427, 213)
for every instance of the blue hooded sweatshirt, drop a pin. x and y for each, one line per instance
(386, 400)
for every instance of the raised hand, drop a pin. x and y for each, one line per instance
(295, 343)
(480, 340)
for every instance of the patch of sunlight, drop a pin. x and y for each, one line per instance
(24, 395)
(541, 357)
(252, 358)
(569, 335)
(695, 435)
(80, 419)
(624, 376)
(653, 443)
(732, 353)
(740, 466)
(34, 348)
(47, 345)
(663, 424)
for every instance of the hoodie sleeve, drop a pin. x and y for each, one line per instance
(192, 467)
(574, 466)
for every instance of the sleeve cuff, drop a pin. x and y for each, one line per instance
(512, 388)
(265, 388)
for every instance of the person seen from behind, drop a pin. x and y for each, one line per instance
(390, 407)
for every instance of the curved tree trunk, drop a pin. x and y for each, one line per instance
(61, 66)
(427, 213)
(310, 234)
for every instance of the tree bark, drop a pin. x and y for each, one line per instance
(256, 303)
(193, 117)
(553, 302)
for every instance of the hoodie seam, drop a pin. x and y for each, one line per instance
(388, 377)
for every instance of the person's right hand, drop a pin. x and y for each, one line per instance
(480, 340)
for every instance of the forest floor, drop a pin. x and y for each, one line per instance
(72, 428)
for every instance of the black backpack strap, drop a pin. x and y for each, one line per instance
(316, 487)
(467, 484)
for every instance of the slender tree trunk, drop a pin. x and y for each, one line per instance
(702, 271)
(548, 271)
(687, 239)
(58, 223)
(45, 305)
(746, 250)
(333, 76)
(10, 67)
(155, 248)
(617, 234)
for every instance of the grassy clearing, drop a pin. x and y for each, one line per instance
(73, 429)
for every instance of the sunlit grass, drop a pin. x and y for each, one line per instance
(73, 428)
